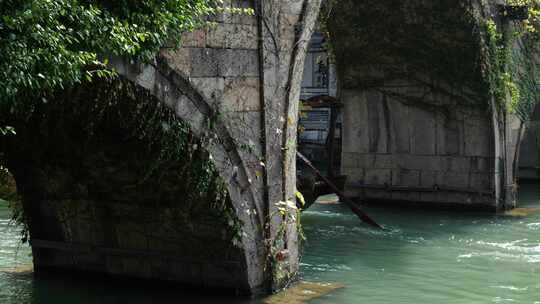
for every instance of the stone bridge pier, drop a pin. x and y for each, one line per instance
(236, 84)
(418, 123)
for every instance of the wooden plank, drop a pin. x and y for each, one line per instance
(349, 202)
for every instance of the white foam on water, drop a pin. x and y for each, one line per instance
(502, 300)
(513, 288)
(533, 226)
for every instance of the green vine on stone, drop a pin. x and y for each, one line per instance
(46, 45)
(513, 68)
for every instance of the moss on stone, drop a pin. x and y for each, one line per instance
(112, 143)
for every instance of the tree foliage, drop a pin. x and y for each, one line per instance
(51, 44)
(513, 60)
(532, 23)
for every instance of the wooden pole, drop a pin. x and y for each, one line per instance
(330, 140)
(349, 202)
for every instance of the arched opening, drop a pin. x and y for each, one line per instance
(529, 151)
(319, 125)
(113, 182)
(415, 125)
(528, 172)
(219, 67)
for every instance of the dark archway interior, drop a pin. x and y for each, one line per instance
(112, 182)
(416, 122)
(529, 151)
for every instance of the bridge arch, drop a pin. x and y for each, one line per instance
(102, 193)
(419, 124)
(236, 85)
(190, 105)
(529, 151)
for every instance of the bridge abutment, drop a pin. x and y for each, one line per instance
(419, 125)
(119, 186)
(236, 85)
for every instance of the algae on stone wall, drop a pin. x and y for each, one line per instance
(397, 40)
(418, 41)
(110, 141)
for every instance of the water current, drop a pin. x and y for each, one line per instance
(423, 257)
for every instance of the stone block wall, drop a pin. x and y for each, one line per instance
(417, 123)
(438, 151)
(221, 62)
(236, 84)
(102, 194)
(110, 238)
(216, 70)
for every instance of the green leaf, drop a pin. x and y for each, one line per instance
(300, 197)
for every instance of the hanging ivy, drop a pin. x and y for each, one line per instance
(512, 66)
(380, 43)
(51, 44)
(112, 124)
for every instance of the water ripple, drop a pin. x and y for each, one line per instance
(512, 288)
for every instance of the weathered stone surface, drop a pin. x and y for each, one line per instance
(405, 123)
(386, 161)
(423, 132)
(354, 175)
(211, 88)
(355, 138)
(180, 60)
(405, 177)
(450, 136)
(350, 160)
(195, 39)
(242, 93)
(204, 62)
(480, 182)
(226, 82)
(428, 179)
(378, 176)
(457, 164)
(400, 135)
(232, 36)
(133, 210)
(453, 180)
(478, 139)
(238, 63)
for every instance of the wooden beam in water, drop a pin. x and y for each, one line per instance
(348, 201)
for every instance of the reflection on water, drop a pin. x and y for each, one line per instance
(423, 257)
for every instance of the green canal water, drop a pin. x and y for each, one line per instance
(423, 257)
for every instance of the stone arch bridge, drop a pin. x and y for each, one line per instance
(243, 78)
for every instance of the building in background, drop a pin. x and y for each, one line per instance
(529, 152)
(319, 73)
(320, 108)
